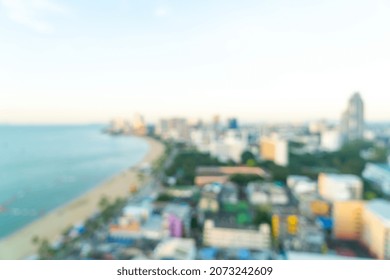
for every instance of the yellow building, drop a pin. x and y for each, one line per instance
(347, 219)
(367, 222)
(376, 231)
(139, 125)
(320, 208)
(275, 150)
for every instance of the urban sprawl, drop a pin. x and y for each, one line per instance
(226, 190)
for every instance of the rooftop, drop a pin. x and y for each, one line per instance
(231, 219)
(176, 248)
(342, 177)
(229, 170)
(298, 178)
(380, 207)
(153, 223)
(383, 166)
(180, 210)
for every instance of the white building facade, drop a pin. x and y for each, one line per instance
(335, 187)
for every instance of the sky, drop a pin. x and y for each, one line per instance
(80, 61)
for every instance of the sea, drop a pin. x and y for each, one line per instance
(45, 167)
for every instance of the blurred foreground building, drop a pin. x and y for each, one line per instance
(348, 222)
(376, 228)
(366, 222)
(176, 249)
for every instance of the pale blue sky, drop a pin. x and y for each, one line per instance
(262, 60)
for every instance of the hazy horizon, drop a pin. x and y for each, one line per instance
(65, 62)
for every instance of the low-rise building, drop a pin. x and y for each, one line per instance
(311, 205)
(231, 237)
(308, 239)
(335, 187)
(376, 230)
(153, 228)
(177, 218)
(379, 174)
(229, 193)
(266, 193)
(278, 196)
(292, 180)
(209, 200)
(301, 185)
(257, 194)
(176, 249)
(131, 230)
(139, 211)
(217, 174)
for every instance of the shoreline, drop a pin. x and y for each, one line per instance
(19, 245)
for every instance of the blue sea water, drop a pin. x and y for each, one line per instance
(44, 167)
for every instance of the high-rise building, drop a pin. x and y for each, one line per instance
(174, 128)
(352, 122)
(118, 126)
(139, 125)
(232, 123)
(274, 149)
(216, 121)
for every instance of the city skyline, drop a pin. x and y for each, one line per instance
(63, 62)
(208, 118)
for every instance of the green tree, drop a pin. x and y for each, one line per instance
(262, 215)
(251, 163)
(164, 197)
(244, 179)
(381, 154)
(370, 195)
(247, 155)
(45, 251)
(185, 163)
(103, 203)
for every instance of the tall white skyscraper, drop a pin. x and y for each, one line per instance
(352, 123)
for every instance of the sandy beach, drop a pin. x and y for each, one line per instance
(19, 245)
